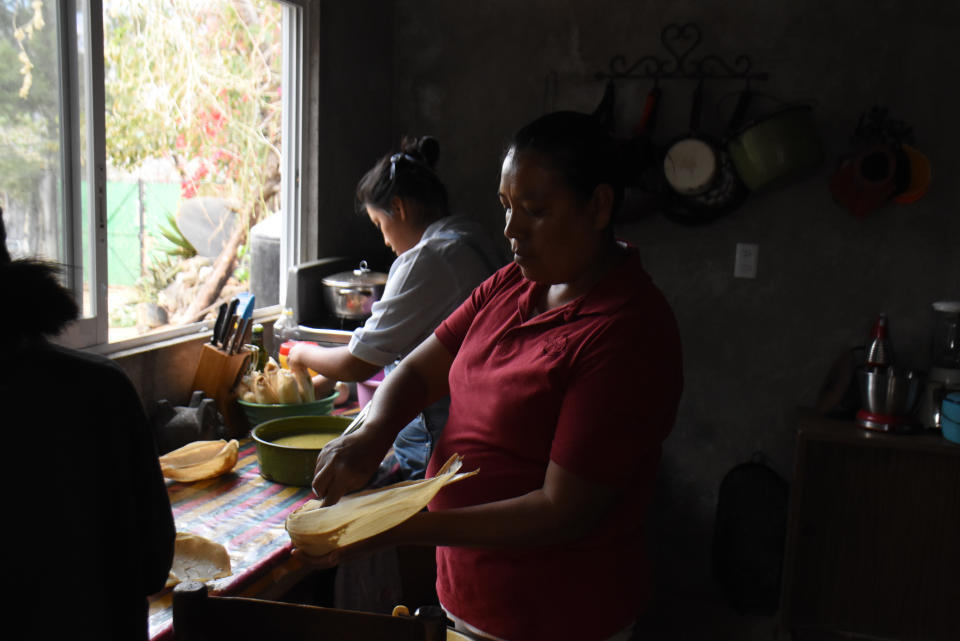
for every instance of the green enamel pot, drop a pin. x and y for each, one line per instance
(776, 148)
(293, 464)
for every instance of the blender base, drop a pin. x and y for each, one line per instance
(885, 423)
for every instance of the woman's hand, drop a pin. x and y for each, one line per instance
(347, 464)
(349, 552)
(322, 386)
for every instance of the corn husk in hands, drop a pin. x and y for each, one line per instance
(200, 460)
(196, 558)
(318, 530)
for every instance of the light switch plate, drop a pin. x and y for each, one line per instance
(745, 264)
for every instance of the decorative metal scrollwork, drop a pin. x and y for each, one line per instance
(680, 41)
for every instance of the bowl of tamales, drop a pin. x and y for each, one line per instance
(258, 413)
(287, 448)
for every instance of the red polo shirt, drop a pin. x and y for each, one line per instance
(593, 386)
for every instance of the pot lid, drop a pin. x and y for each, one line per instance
(362, 275)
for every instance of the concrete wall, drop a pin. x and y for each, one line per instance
(755, 350)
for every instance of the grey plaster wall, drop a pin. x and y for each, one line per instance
(354, 104)
(755, 350)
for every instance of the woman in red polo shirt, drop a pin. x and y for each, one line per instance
(564, 372)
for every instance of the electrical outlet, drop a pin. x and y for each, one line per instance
(745, 264)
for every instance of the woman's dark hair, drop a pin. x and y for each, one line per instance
(408, 173)
(579, 148)
(32, 286)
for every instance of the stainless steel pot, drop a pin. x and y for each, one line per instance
(351, 294)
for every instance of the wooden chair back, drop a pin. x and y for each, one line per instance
(199, 616)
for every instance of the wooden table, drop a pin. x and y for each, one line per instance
(245, 513)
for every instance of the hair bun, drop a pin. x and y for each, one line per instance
(429, 148)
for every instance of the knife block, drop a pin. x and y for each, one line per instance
(217, 375)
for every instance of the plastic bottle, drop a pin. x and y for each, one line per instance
(285, 348)
(285, 329)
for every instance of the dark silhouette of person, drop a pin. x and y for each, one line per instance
(87, 512)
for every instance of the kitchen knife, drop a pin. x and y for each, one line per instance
(245, 308)
(218, 326)
(225, 331)
(240, 336)
(228, 332)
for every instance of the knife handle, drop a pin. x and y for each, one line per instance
(227, 334)
(238, 338)
(218, 326)
(231, 319)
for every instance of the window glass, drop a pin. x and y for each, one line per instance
(152, 167)
(193, 107)
(31, 173)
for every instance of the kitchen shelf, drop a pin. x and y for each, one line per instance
(872, 547)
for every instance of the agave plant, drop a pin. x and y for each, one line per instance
(181, 246)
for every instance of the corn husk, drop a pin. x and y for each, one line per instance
(285, 384)
(244, 386)
(197, 559)
(318, 530)
(305, 385)
(200, 460)
(276, 385)
(263, 389)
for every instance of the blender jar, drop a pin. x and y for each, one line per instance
(946, 334)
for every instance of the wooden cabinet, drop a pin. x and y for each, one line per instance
(873, 547)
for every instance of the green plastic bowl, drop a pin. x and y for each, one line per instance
(292, 465)
(257, 413)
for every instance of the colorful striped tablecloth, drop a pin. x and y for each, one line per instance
(242, 511)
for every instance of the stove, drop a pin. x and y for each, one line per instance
(305, 297)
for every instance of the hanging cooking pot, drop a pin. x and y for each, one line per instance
(644, 186)
(604, 111)
(868, 180)
(770, 150)
(700, 173)
(351, 294)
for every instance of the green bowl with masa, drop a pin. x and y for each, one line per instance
(287, 448)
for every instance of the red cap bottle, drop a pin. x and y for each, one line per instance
(878, 348)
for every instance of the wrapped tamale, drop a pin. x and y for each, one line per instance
(196, 558)
(305, 385)
(285, 384)
(263, 390)
(200, 460)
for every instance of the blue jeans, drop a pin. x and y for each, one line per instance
(414, 443)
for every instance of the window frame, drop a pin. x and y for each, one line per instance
(92, 333)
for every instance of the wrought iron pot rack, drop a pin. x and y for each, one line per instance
(680, 41)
